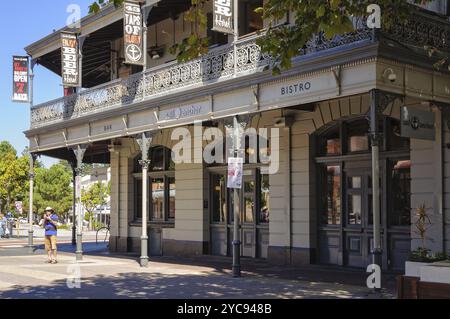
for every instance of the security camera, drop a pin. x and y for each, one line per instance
(390, 75)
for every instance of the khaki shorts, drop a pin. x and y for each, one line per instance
(50, 243)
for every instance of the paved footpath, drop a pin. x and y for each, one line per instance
(111, 277)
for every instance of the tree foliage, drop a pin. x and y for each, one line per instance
(14, 180)
(97, 5)
(312, 17)
(53, 188)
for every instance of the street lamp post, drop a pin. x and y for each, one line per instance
(79, 151)
(144, 140)
(74, 225)
(236, 201)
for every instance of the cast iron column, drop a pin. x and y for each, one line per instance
(30, 212)
(144, 140)
(376, 138)
(79, 151)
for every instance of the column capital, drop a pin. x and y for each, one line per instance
(145, 163)
(78, 171)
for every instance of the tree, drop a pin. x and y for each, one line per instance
(283, 42)
(97, 5)
(93, 197)
(312, 17)
(53, 188)
(14, 180)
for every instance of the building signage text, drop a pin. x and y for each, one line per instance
(294, 89)
(184, 112)
(20, 79)
(418, 124)
(70, 60)
(223, 16)
(133, 34)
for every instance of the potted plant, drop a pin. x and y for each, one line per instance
(421, 256)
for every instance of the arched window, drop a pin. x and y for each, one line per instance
(161, 188)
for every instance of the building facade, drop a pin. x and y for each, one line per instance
(317, 206)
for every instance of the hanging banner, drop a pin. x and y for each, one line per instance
(133, 33)
(70, 60)
(223, 16)
(20, 79)
(235, 172)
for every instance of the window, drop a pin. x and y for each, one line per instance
(264, 208)
(215, 38)
(400, 183)
(331, 204)
(162, 186)
(219, 200)
(331, 143)
(254, 198)
(249, 20)
(358, 138)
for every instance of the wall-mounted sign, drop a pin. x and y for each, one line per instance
(70, 60)
(133, 33)
(418, 124)
(185, 112)
(20, 79)
(235, 172)
(223, 16)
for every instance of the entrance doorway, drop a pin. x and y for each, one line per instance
(254, 215)
(345, 196)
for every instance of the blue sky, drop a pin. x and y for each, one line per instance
(22, 23)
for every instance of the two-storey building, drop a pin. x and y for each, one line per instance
(317, 207)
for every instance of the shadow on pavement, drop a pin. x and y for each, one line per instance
(162, 286)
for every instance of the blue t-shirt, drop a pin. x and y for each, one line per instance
(50, 229)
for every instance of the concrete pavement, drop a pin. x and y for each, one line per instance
(104, 276)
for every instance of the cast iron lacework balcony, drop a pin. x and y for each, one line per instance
(219, 65)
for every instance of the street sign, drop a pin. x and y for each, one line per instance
(20, 79)
(19, 207)
(70, 60)
(133, 33)
(235, 172)
(223, 16)
(418, 124)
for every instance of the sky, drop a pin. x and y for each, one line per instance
(22, 23)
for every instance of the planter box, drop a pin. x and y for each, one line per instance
(412, 268)
(425, 281)
(436, 273)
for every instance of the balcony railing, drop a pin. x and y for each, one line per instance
(218, 64)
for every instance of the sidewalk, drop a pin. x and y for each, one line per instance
(113, 277)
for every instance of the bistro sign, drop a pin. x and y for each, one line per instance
(418, 124)
(133, 34)
(20, 79)
(70, 60)
(223, 16)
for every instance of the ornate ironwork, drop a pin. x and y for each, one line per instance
(218, 64)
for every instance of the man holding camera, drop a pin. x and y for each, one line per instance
(50, 226)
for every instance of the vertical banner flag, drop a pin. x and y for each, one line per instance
(235, 172)
(20, 79)
(70, 60)
(223, 16)
(133, 33)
